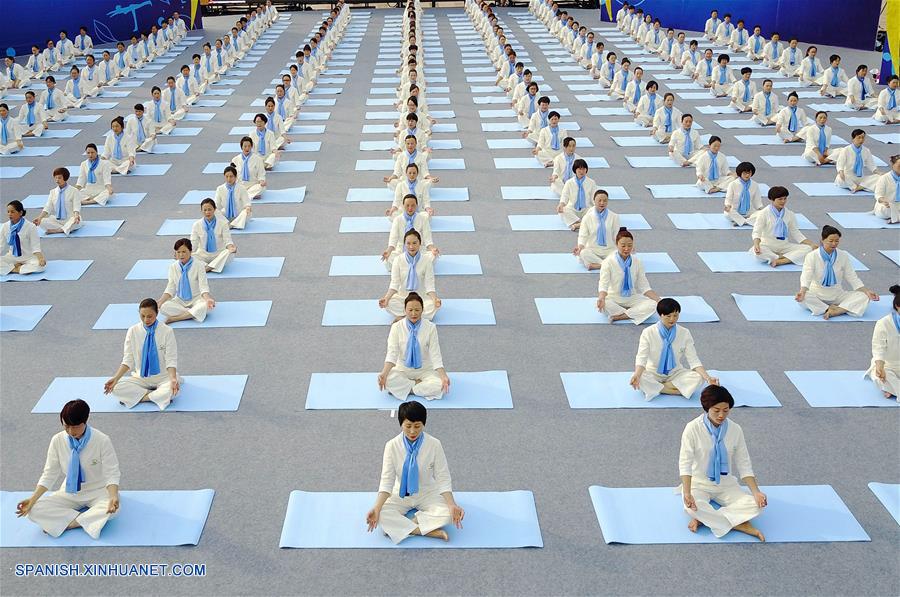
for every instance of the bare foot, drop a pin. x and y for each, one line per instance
(888, 395)
(749, 529)
(594, 266)
(773, 262)
(575, 226)
(693, 525)
(439, 534)
(619, 317)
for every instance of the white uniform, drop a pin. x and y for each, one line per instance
(739, 40)
(241, 205)
(71, 205)
(421, 224)
(256, 170)
(619, 85)
(845, 160)
(196, 305)
(132, 388)
(742, 94)
(593, 253)
(562, 170)
(160, 116)
(790, 62)
(646, 113)
(402, 161)
(403, 380)
(665, 122)
(678, 145)
(218, 259)
(96, 190)
(810, 134)
(689, 62)
(108, 72)
(90, 80)
(886, 347)
(737, 506)
(884, 112)
(193, 89)
(73, 85)
(34, 122)
(685, 379)
(831, 86)
(127, 150)
(54, 104)
(36, 66)
(790, 247)
(425, 276)
(710, 28)
(13, 134)
(54, 511)
(422, 193)
(569, 199)
(704, 71)
(180, 102)
(810, 70)
(142, 131)
(722, 85)
(29, 241)
(760, 113)
(83, 44)
(756, 47)
(636, 306)
(702, 163)
(819, 297)
(17, 74)
(886, 190)
(270, 155)
(861, 94)
(546, 153)
(432, 512)
(783, 123)
(607, 73)
(772, 54)
(733, 200)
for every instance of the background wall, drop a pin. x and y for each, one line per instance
(107, 21)
(846, 23)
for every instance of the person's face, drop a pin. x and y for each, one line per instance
(528, 78)
(35, 51)
(91, 153)
(208, 212)
(410, 206)
(182, 253)
(230, 178)
(894, 83)
(62, 35)
(171, 84)
(75, 431)
(554, 120)
(570, 148)
(581, 172)
(412, 173)
(767, 86)
(626, 66)
(186, 72)
(246, 146)
(286, 81)
(74, 73)
(148, 315)
(412, 245)
(410, 143)
(279, 92)
(779, 202)
(831, 242)
(3, 112)
(858, 140)
(625, 246)
(670, 319)
(687, 123)
(718, 413)
(411, 106)
(260, 125)
(746, 175)
(812, 52)
(412, 430)
(12, 214)
(714, 146)
(270, 107)
(51, 85)
(896, 167)
(29, 99)
(544, 107)
(669, 101)
(821, 119)
(638, 74)
(707, 54)
(776, 38)
(793, 101)
(861, 73)
(601, 201)
(90, 61)
(60, 181)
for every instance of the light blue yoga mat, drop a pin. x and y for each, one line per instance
(838, 389)
(893, 255)
(9, 172)
(528, 222)
(567, 263)
(589, 97)
(198, 393)
(382, 224)
(293, 147)
(90, 229)
(210, 103)
(680, 191)
(227, 314)
(526, 144)
(611, 390)
(857, 121)
(281, 166)
(655, 515)
(157, 518)
(319, 520)
(739, 124)
(367, 312)
(637, 142)
(884, 138)
(388, 164)
(663, 161)
(785, 308)
(187, 131)
(33, 152)
(443, 144)
(144, 170)
(533, 163)
(742, 261)
(798, 161)
(240, 267)
(57, 269)
(171, 148)
(385, 145)
(556, 311)
(372, 265)
(594, 111)
(99, 105)
(199, 116)
(829, 189)
(383, 194)
(718, 221)
(387, 129)
(496, 99)
(280, 225)
(60, 133)
(722, 109)
(862, 219)
(294, 195)
(344, 391)
(219, 92)
(21, 318)
(616, 193)
(889, 496)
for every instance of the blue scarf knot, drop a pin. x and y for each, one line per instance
(713, 166)
(13, 240)
(184, 291)
(857, 161)
(61, 213)
(409, 479)
(413, 356)
(896, 179)
(823, 140)
(245, 167)
(835, 80)
(554, 138)
(688, 143)
(92, 166)
(262, 141)
(412, 277)
(210, 226)
(792, 124)
(779, 229)
(768, 97)
(744, 205)
(117, 151)
(601, 226)
(828, 279)
(410, 219)
(718, 458)
(746, 97)
(625, 264)
(149, 354)
(580, 201)
(75, 474)
(892, 100)
(230, 207)
(667, 360)
(29, 119)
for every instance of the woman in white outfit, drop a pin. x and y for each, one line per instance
(597, 233)
(94, 178)
(887, 193)
(623, 291)
(62, 212)
(211, 238)
(187, 292)
(412, 271)
(885, 368)
(777, 240)
(21, 243)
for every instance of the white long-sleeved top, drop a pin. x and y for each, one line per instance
(99, 463)
(256, 167)
(59, 100)
(886, 187)
(424, 272)
(36, 64)
(164, 113)
(423, 193)
(810, 133)
(545, 137)
(739, 87)
(855, 89)
(180, 98)
(677, 141)
(650, 349)
(71, 201)
(612, 275)
(733, 195)
(759, 104)
(102, 173)
(428, 342)
(587, 232)
(13, 130)
(845, 159)
(886, 343)
(132, 125)
(196, 277)
(764, 225)
(783, 120)
(703, 161)
(569, 194)
(198, 236)
(401, 162)
(434, 474)
(127, 144)
(697, 445)
(421, 223)
(241, 199)
(814, 271)
(659, 121)
(29, 239)
(166, 347)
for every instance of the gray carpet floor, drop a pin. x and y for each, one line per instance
(254, 457)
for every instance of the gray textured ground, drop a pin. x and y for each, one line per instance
(256, 456)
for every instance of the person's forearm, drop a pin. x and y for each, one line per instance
(122, 370)
(685, 484)
(39, 490)
(380, 499)
(751, 483)
(113, 490)
(448, 498)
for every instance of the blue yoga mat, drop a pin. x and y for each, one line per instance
(776, 140)
(720, 109)
(227, 314)
(863, 220)
(893, 255)
(388, 164)
(889, 496)
(158, 518)
(279, 225)
(382, 224)
(637, 142)
(188, 131)
(742, 261)
(884, 138)
(528, 222)
(147, 170)
(21, 318)
(680, 191)
(171, 148)
(240, 267)
(666, 162)
(58, 269)
(319, 520)
(367, 312)
(383, 194)
(219, 92)
(555, 311)
(210, 103)
(857, 121)
(343, 391)
(99, 105)
(836, 389)
(595, 111)
(717, 221)
(60, 133)
(33, 152)
(526, 144)
(9, 172)
(371, 265)
(116, 200)
(655, 515)
(198, 393)
(533, 163)
(738, 123)
(785, 308)
(199, 116)
(589, 97)
(294, 147)
(798, 161)
(281, 166)
(567, 263)
(622, 126)
(90, 229)
(616, 193)
(294, 195)
(828, 189)
(611, 390)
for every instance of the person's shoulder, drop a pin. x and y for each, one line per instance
(96, 434)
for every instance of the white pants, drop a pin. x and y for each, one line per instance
(886, 116)
(833, 91)
(719, 183)
(851, 182)
(720, 90)
(570, 215)
(737, 506)
(175, 307)
(547, 155)
(661, 135)
(811, 156)
(396, 307)
(164, 129)
(9, 148)
(686, 381)
(51, 223)
(55, 115)
(271, 159)
(215, 261)
(773, 249)
(557, 186)
(891, 384)
(594, 255)
(789, 135)
(765, 120)
(735, 216)
(432, 514)
(29, 264)
(97, 193)
(254, 189)
(818, 298)
(35, 131)
(148, 144)
(637, 307)
(54, 511)
(888, 212)
(240, 220)
(131, 389)
(403, 382)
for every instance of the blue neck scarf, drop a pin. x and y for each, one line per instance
(531, 107)
(567, 170)
(896, 179)
(612, 70)
(768, 97)
(210, 226)
(581, 201)
(744, 205)
(896, 318)
(412, 277)
(76, 87)
(812, 66)
(409, 479)
(718, 458)
(29, 119)
(709, 67)
(4, 135)
(146, 47)
(625, 264)
(262, 141)
(13, 240)
(554, 138)
(280, 106)
(184, 284)
(740, 37)
(723, 71)
(779, 229)
(141, 135)
(12, 73)
(121, 58)
(92, 166)
(90, 73)
(828, 279)
(668, 112)
(892, 100)
(688, 143)
(792, 124)
(172, 100)
(208, 63)
(117, 151)
(601, 226)
(656, 36)
(624, 79)
(637, 92)
(185, 87)
(270, 123)
(651, 97)
(149, 354)
(713, 166)
(219, 57)
(835, 80)
(775, 50)
(545, 121)
(34, 63)
(747, 90)
(413, 356)
(411, 157)
(757, 45)
(590, 51)
(410, 219)
(728, 28)
(61, 213)
(157, 111)
(857, 160)
(245, 167)
(75, 474)
(823, 141)
(667, 356)
(230, 208)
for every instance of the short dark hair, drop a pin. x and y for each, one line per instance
(64, 172)
(667, 306)
(208, 201)
(777, 193)
(186, 242)
(149, 303)
(412, 232)
(713, 395)
(17, 205)
(75, 412)
(412, 411)
(745, 167)
(579, 163)
(829, 230)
